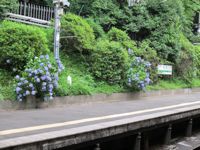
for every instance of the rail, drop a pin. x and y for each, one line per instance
(31, 14)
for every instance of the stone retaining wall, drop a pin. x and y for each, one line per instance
(32, 103)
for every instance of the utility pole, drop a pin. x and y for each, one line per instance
(198, 30)
(58, 12)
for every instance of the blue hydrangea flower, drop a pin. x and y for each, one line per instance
(41, 64)
(42, 56)
(38, 80)
(14, 69)
(33, 93)
(43, 77)
(19, 84)
(8, 61)
(22, 79)
(18, 89)
(31, 85)
(27, 93)
(17, 77)
(25, 81)
(46, 68)
(47, 57)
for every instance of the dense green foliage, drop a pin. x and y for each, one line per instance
(19, 44)
(6, 86)
(122, 37)
(162, 23)
(83, 81)
(97, 28)
(109, 62)
(149, 54)
(101, 42)
(6, 6)
(77, 35)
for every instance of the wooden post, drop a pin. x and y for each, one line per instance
(189, 128)
(168, 135)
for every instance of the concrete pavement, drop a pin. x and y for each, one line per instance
(15, 124)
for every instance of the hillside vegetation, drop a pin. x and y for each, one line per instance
(106, 47)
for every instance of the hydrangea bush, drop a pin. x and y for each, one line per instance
(39, 79)
(138, 74)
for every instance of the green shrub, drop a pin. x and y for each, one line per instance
(6, 86)
(83, 82)
(77, 35)
(1, 96)
(122, 37)
(109, 62)
(197, 61)
(149, 54)
(98, 30)
(185, 64)
(19, 44)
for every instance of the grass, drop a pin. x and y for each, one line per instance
(173, 84)
(83, 83)
(6, 86)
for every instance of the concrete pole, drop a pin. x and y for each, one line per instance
(189, 128)
(137, 145)
(97, 147)
(146, 141)
(168, 135)
(57, 31)
(198, 31)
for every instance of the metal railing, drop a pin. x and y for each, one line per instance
(34, 11)
(132, 2)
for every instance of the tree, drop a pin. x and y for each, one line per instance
(6, 6)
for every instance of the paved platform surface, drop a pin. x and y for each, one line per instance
(30, 122)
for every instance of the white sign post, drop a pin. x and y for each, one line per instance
(165, 70)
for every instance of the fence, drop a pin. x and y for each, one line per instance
(34, 11)
(132, 2)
